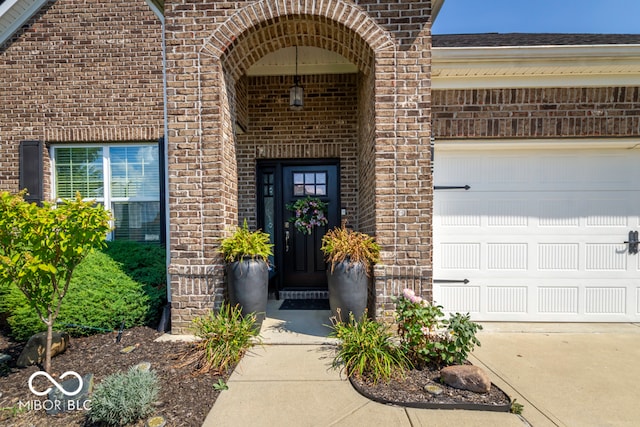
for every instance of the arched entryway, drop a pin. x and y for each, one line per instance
(371, 122)
(324, 150)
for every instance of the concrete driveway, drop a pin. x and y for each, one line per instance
(566, 374)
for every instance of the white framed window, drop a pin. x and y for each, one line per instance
(125, 178)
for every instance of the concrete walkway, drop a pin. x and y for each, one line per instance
(563, 374)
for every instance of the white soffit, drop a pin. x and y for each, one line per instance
(311, 60)
(535, 66)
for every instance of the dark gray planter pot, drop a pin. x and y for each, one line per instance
(248, 282)
(348, 289)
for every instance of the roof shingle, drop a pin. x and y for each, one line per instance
(531, 39)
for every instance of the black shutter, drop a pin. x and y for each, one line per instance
(31, 170)
(163, 207)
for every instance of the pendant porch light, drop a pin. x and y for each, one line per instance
(296, 93)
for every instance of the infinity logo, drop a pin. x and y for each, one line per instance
(58, 386)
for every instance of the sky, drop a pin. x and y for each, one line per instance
(539, 16)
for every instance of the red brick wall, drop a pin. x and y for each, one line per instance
(80, 71)
(537, 113)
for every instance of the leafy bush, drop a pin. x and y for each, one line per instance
(366, 349)
(244, 243)
(462, 332)
(225, 337)
(427, 338)
(124, 398)
(100, 296)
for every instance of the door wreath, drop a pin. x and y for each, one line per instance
(308, 213)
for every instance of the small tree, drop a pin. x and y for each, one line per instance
(40, 246)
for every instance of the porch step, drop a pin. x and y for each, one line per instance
(304, 295)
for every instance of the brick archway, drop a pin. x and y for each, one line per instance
(265, 27)
(393, 129)
(333, 25)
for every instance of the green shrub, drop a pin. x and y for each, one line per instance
(366, 349)
(427, 338)
(225, 337)
(124, 398)
(462, 333)
(143, 262)
(100, 296)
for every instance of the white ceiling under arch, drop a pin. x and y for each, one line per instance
(311, 60)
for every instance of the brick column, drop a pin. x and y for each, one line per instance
(404, 187)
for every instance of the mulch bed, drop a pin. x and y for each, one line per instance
(410, 391)
(184, 399)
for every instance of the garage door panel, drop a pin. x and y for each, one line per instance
(507, 256)
(610, 211)
(605, 300)
(461, 299)
(538, 235)
(507, 299)
(554, 300)
(558, 257)
(589, 171)
(460, 256)
(606, 257)
(484, 172)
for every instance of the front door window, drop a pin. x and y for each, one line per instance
(268, 212)
(309, 184)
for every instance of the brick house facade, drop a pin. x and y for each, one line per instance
(84, 73)
(77, 74)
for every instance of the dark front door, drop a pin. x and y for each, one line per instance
(298, 260)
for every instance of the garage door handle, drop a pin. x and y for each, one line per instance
(633, 242)
(465, 281)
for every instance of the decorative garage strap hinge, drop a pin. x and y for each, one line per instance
(465, 281)
(451, 187)
(633, 242)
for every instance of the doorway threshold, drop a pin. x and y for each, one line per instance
(304, 294)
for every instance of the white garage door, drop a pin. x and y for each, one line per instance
(538, 235)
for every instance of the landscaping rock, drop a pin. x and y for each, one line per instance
(143, 366)
(78, 402)
(129, 349)
(157, 421)
(4, 359)
(466, 377)
(34, 352)
(433, 389)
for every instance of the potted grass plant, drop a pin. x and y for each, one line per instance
(351, 256)
(247, 255)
